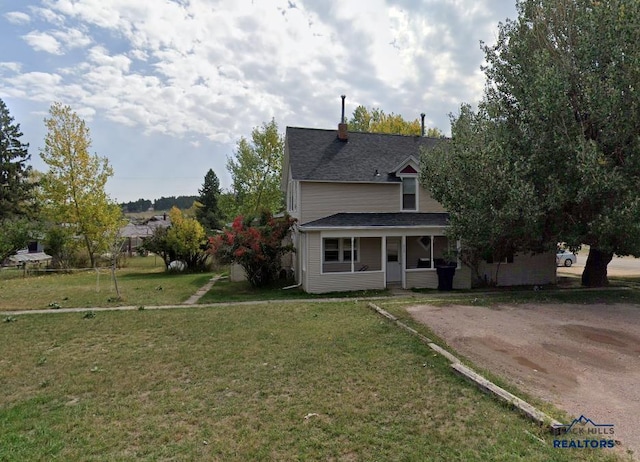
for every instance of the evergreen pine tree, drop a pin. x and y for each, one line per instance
(209, 213)
(15, 189)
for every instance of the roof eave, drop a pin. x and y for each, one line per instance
(304, 228)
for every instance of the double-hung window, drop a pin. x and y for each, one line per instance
(331, 250)
(409, 195)
(340, 249)
(349, 252)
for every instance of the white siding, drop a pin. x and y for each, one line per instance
(422, 279)
(317, 283)
(428, 279)
(319, 200)
(525, 270)
(428, 204)
(462, 279)
(237, 273)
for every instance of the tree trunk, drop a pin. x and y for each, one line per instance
(595, 270)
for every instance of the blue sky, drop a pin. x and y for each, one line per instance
(167, 87)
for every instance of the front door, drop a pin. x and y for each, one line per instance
(394, 262)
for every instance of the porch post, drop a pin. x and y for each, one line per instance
(383, 263)
(352, 254)
(403, 252)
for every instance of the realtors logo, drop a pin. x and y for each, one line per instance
(585, 433)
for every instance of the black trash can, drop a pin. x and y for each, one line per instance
(445, 277)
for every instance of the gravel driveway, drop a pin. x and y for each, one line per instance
(585, 359)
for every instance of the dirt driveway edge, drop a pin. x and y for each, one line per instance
(478, 380)
(584, 359)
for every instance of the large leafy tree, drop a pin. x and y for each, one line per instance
(255, 171)
(562, 106)
(185, 240)
(376, 121)
(73, 189)
(492, 209)
(208, 212)
(14, 235)
(16, 187)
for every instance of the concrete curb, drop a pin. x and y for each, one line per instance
(482, 383)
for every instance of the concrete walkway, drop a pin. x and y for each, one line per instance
(192, 302)
(201, 291)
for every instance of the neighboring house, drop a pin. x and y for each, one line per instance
(135, 234)
(364, 221)
(33, 255)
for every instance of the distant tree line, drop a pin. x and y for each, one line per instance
(164, 203)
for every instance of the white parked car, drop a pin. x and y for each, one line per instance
(565, 258)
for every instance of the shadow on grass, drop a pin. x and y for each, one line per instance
(227, 291)
(189, 278)
(618, 292)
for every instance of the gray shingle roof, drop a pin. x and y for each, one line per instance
(319, 155)
(400, 219)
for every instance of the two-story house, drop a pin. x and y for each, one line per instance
(364, 221)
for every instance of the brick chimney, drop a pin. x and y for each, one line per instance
(343, 132)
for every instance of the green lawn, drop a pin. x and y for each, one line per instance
(299, 381)
(143, 281)
(226, 291)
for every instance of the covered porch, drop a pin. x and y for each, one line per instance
(375, 252)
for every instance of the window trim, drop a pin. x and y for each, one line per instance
(341, 250)
(432, 238)
(414, 177)
(292, 196)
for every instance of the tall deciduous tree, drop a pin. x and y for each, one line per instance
(14, 235)
(74, 186)
(376, 121)
(492, 209)
(562, 107)
(255, 170)
(185, 240)
(208, 213)
(186, 237)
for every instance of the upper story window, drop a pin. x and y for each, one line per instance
(409, 193)
(292, 196)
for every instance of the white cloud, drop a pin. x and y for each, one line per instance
(47, 15)
(41, 41)
(36, 86)
(72, 38)
(11, 66)
(207, 72)
(17, 17)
